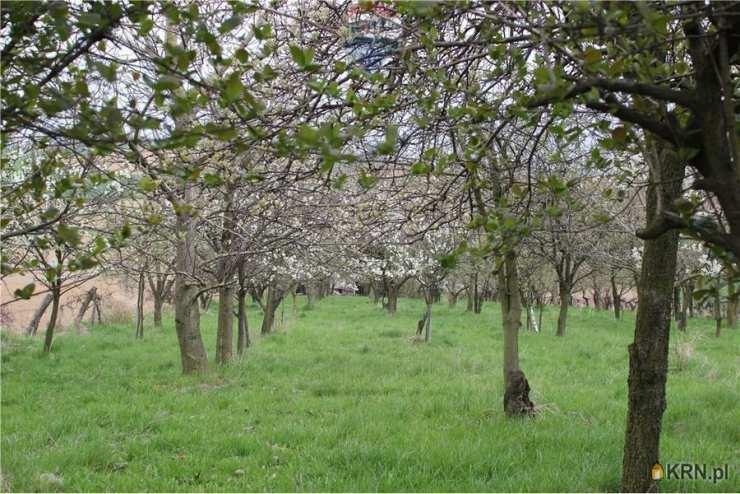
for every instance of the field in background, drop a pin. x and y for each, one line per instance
(341, 400)
(118, 302)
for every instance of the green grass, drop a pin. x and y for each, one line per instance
(342, 400)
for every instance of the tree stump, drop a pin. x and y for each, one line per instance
(516, 396)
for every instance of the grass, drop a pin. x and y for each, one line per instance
(342, 400)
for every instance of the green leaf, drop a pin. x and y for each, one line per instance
(221, 133)
(212, 179)
(262, 32)
(389, 144)
(308, 135)
(167, 82)
(420, 169)
(68, 235)
(89, 19)
(146, 26)
(230, 24)
(242, 55)
(449, 261)
(367, 181)
(591, 56)
(302, 57)
(154, 219)
(50, 214)
(25, 292)
(146, 184)
(233, 88)
(107, 72)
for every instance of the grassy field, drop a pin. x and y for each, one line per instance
(341, 400)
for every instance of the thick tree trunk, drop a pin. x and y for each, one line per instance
(56, 293)
(274, 297)
(648, 354)
(158, 303)
(187, 316)
(310, 295)
(392, 295)
(564, 294)
(516, 387)
(33, 326)
(224, 331)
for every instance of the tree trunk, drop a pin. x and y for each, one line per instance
(682, 322)
(648, 354)
(516, 387)
(392, 304)
(677, 303)
(540, 310)
(224, 331)
(732, 302)
(96, 311)
(33, 326)
(140, 306)
(564, 294)
(158, 303)
(274, 297)
(717, 314)
(690, 297)
(478, 302)
(452, 299)
(242, 342)
(430, 295)
(616, 299)
(187, 316)
(56, 293)
(310, 295)
(205, 301)
(89, 297)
